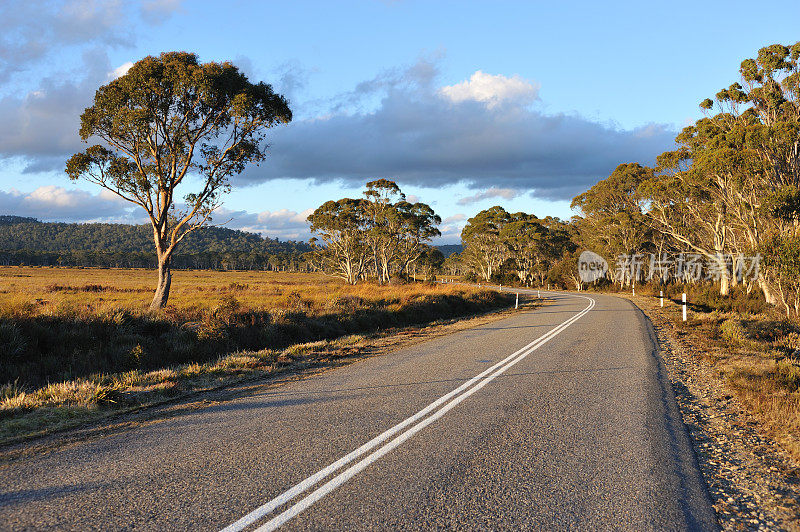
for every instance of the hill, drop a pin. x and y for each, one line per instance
(449, 249)
(29, 241)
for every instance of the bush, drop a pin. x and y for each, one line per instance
(77, 342)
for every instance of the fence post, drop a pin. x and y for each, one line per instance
(684, 306)
(661, 295)
(516, 304)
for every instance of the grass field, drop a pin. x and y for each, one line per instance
(73, 340)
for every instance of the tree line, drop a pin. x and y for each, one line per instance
(27, 241)
(726, 200)
(375, 237)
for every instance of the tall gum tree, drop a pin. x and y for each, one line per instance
(169, 120)
(484, 250)
(732, 185)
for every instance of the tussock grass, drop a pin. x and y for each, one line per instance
(76, 343)
(754, 348)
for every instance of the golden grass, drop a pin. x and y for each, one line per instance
(205, 309)
(25, 290)
(755, 356)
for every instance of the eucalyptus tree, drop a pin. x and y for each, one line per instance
(342, 226)
(169, 122)
(385, 223)
(761, 119)
(612, 220)
(418, 224)
(732, 184)
(526, 240)
(484, 250)
(379, 234)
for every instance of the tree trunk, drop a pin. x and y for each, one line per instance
(164, 281)
(769, 293)
(724, 285)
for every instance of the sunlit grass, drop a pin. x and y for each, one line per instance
(79, 343)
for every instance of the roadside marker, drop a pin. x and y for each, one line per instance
(684, 306)
(516, 305)
(661, 295)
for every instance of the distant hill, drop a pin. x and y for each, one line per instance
(449, 249)
(27, 240)
(8, 219)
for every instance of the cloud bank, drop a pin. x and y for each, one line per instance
(482, 132)
(492, 192)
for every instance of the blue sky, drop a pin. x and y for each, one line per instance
(465, 104)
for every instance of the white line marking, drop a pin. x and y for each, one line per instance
(343, 477)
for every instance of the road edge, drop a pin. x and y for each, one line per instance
(744, 473)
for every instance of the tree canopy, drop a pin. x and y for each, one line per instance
(171, 120)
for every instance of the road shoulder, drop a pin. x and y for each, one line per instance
(753, 483)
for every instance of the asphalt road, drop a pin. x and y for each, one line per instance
(578, 430)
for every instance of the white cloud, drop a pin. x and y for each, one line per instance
(492, 192)
(41, 127)
(157, 11)
(54, 203)
(120, 70)
(492, 89)
(398, 126)
(414, 136)
(455, 218)
(284, 223)
(32, 31)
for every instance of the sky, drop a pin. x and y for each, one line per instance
(464, 104)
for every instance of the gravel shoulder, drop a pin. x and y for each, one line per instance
(753, 482)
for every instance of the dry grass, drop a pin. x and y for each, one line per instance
(55, 290)
(78, 343)
(756, 357)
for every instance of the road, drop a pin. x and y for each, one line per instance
(560, 418)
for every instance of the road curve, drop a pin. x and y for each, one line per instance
(561, 418)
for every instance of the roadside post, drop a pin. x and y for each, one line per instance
(501, 287)
(516, 304)
(684, 306)
(661, 295)
(538, 294)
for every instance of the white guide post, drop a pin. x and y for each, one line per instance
(684, 306)
(661, 295)
(516, 304)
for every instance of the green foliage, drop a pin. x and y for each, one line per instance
(167, 118)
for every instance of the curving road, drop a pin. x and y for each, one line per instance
(561, 418)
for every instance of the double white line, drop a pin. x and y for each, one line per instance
(413, 424)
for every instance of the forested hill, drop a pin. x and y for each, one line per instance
(27, 240)
(449, 249)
